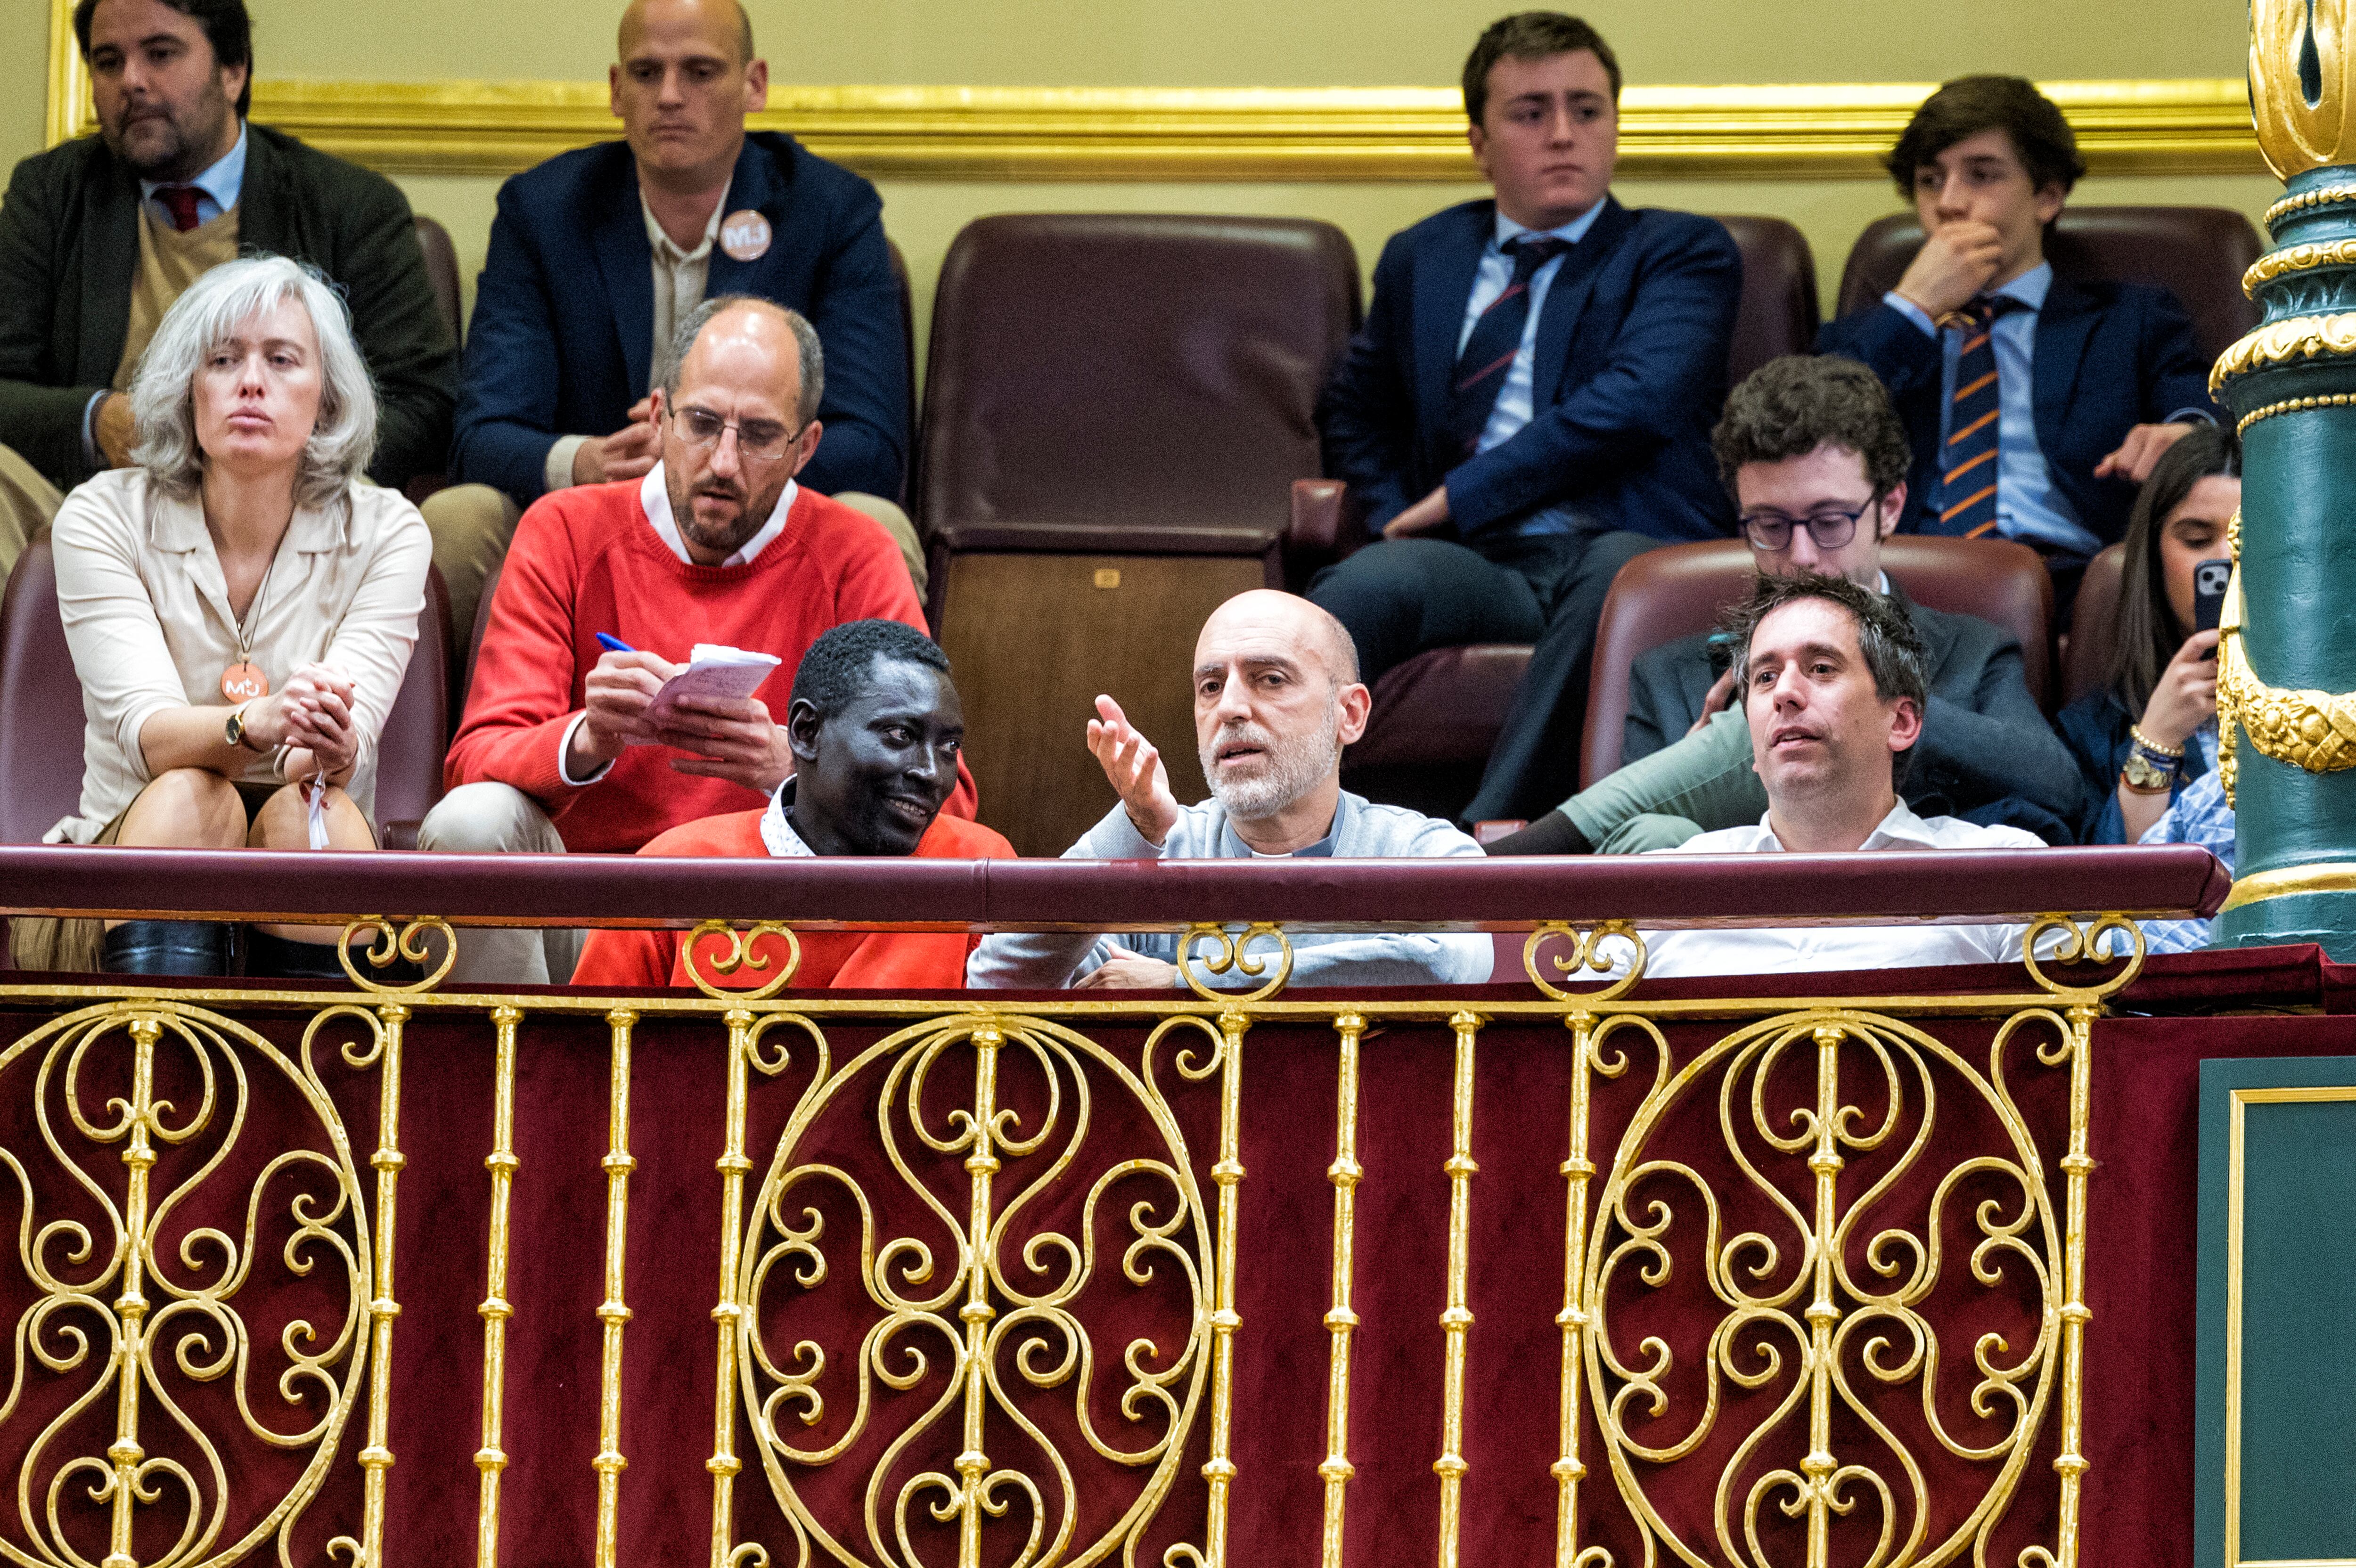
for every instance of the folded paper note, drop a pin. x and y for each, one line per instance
(711, 671)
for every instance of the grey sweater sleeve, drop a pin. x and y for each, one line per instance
(1045, 960)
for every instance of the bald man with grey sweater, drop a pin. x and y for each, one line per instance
(1276, 697)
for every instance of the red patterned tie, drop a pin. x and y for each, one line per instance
(180, 201)
(1490, 349)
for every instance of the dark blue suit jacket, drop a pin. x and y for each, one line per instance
(2109, 357)
(562, 340)
(1630, 372)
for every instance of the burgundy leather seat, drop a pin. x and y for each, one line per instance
(1114, 407)
(1778, 315)
(2197, 254)
(2093, 626)
(442, 272)
(41, 713)
(1437, 715)
(1669, 594)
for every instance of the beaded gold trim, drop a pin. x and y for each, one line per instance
(2292, 406)
(2301, 203)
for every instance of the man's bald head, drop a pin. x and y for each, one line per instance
(1276, 697)
(1286, 618)
(723, 22)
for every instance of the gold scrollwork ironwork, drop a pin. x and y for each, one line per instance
(1588, 956)
(1234, 954)
(144, 1304)
(1827, 1294)
(991, 1319)
(1342, 1320)
(739, 955)
(405, 943)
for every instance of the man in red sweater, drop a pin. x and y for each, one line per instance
(559, 751)
(876, 728)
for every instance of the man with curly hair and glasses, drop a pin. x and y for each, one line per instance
(1815, 459)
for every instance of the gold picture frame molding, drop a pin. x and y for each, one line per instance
(1808, 131)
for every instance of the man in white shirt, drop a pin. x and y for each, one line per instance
(1831, 676)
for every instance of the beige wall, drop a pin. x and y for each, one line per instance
(1231, 43)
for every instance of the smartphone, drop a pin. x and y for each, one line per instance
(2209, 580)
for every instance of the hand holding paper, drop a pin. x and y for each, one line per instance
(714, 675)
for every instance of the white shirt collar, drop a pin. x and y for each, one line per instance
(665, 246)
(1901, 830)
(1574, 232)
(778, 833)
(654, 498)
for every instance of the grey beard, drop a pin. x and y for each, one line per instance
(1294, 768)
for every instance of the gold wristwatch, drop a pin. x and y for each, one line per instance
(2144, 778)
(233, 731)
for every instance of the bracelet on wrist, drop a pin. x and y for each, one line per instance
(2145, 742)
(2134, 788)
(2142, 775)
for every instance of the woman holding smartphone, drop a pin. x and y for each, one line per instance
(2153, 729)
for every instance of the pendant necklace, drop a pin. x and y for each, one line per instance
(243, 680)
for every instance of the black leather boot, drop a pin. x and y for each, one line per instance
(274, 958)
(166, 947)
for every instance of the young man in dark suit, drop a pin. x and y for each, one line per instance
(2035, 405)
(99, 236)
(1816, 460)
(597, 254)
(1528, 404)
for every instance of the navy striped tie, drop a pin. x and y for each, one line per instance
(1968, 458)
(1496, 336)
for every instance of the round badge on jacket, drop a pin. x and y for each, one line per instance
(745, 235)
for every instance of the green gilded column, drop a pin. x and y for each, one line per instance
(2287, 676)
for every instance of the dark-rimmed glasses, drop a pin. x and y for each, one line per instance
(1829, 527)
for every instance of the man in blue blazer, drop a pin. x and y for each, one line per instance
(1528, 404)
(2036, 405)
(596, 255)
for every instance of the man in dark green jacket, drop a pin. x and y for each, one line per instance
(97, 237)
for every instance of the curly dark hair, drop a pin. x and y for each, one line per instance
(226, 25)
(1971, 104)
(836, 668)
(1886, 637)
(1789, 407)
(1531, 36)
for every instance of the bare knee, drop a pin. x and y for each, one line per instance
(186, 808)
(284, 822)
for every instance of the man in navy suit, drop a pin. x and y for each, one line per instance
(1528, 404)
(2036, 405)
(597, 255)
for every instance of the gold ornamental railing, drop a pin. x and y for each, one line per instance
(982, 1264)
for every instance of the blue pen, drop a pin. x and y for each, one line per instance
(615, 644)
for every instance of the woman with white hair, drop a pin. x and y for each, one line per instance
(240, 604)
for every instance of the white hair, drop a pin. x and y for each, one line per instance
(162, 389)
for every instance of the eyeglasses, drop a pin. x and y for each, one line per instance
(758, 441)
(1830, 527)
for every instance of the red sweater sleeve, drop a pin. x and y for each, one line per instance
(526, 689)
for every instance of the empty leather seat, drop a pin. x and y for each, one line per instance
(1778, 313)
(2197, 254)
(442, 271)
(1114, 407)
(41, 713)
(1669, 594)
(1436, 716)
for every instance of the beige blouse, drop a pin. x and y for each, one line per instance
(146, 614)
